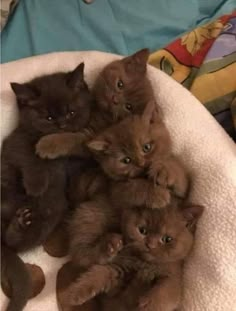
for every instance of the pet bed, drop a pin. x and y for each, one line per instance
(210, 273)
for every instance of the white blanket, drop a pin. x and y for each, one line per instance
(210, 274)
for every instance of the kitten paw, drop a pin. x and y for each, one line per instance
(51, 147)
(161, 197)
(78, 294)
(24, 217)
(114, 244)
(35, 183)
(163, 175)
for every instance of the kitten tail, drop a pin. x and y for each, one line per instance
(14, 271)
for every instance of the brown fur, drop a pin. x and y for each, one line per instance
(154, 265)
(33, 190)
(121, 184)
(94, 228)
(110, 105)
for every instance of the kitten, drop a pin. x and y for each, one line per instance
(157, 242)
(121, 89)
(33, 190)
(137, 146)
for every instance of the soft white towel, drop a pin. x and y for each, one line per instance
(210, 274)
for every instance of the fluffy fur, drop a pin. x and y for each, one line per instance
(156, 244)
(33, 190)
(122, 89)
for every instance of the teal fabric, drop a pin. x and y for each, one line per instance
(118, 26)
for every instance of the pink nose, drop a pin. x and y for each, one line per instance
(114, 100)
(151, 243)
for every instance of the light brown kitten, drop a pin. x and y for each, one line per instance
(156, 244)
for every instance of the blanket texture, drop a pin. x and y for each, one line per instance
(210, 155)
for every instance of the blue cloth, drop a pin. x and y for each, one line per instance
(43, 26)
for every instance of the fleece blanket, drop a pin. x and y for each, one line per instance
(210, 155)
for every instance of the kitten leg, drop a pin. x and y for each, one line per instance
(99, 279)
(170, 173)
(35, 179)
(164, 296)
(91, 242)
(139, 192)
(59, 145)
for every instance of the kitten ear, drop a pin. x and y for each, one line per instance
(75, 78)
(192, 213)
(150, 113)
(25, 94)
(98, 145)
(137, 62)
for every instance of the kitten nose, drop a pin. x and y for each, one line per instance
(141, 162)
(151, 243)
(114, 100)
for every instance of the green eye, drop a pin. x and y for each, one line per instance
(49, 118)
(120, 84)
(166, 239)
(126, 160)
(128, 107)
(142, 230)
(147, 147)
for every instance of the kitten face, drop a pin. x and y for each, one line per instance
(123, 88)
(54, 103)
(126, 149)
(161, 235)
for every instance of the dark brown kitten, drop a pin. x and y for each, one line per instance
(156, 244)
(33, 190)
(122, 89)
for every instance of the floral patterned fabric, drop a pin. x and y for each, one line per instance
(204, 61)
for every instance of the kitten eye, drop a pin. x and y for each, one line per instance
(147, 147)
(49, 118)
(128, 107)
(120, 84)
(142, 230)
(166, 239)
(126, 160)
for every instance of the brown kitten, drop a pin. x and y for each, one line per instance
(33, 190)
(125, 152)
(156, 244)
(122, 89)
(136, 146)
(127, 148)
